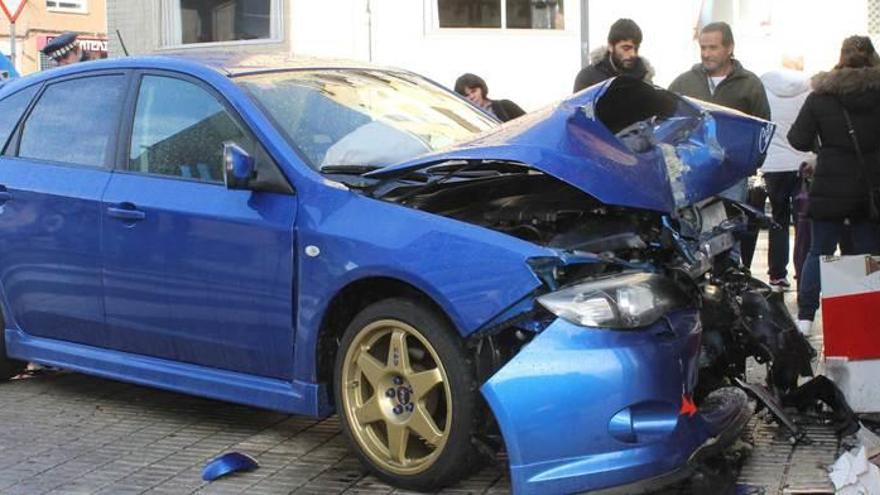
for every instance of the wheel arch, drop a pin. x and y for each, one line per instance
(351, 300)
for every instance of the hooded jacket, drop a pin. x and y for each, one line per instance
(601, 68)
(840, 183)
(741, 90)
(786, 92)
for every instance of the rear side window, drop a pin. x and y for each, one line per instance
(75, 121)
(11, 109)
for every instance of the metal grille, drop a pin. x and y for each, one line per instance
(874, 16)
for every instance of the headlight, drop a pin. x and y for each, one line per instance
(624, 301)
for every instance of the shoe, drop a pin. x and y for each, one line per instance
(805, 326)
(779, 283)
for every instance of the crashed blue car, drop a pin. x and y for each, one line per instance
(312, 236)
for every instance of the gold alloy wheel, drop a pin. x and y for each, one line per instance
(396, 397)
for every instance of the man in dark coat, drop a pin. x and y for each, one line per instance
(474, 88)
(620, 57)
(719, 78)
(841, 182)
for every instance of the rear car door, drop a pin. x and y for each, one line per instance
(53, 172)
(195, 272)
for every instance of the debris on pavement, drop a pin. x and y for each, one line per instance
(852, 474)
(231, 462)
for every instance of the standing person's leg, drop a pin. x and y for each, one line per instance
(802, 229)
(781, 188)
(865, 237)
(737, 192)
(825, 235)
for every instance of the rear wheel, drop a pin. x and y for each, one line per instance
(406, 395)
(8, 367)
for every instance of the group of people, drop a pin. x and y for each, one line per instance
(827, 137)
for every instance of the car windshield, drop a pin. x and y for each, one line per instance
(362, 118)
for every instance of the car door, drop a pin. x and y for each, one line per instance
(53, 172)
(195, 272)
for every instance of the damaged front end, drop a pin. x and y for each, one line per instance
(618, 369)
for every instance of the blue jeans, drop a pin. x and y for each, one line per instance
(825, 236)
(781, 189)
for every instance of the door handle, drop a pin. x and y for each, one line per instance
(129, 213)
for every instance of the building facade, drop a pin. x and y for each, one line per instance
(526, 50)
(42, 20)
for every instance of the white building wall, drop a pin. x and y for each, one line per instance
(763, 31)
(530, 67)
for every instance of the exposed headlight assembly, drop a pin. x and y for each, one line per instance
(629, 300)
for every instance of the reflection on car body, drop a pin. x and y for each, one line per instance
(240, 228)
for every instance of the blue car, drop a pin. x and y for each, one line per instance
(312, 236)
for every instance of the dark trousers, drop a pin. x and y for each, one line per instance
(781, 190)
(826, 234)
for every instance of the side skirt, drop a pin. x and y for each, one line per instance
(270, 393)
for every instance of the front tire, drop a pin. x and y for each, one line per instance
(406, 395)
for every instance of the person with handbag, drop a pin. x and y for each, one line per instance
(842, 118)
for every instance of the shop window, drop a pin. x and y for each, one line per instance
(211, 21)
(510, 14)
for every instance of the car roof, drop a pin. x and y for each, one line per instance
(233, 64)
(199, 62)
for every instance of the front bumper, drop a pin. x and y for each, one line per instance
(586, 409)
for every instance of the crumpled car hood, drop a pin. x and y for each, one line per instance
(680, 152)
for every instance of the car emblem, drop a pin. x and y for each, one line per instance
(765, 138)
(403, 395)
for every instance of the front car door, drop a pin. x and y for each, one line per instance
(195, 272)
(53, 171)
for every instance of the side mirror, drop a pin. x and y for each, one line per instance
(238, 167)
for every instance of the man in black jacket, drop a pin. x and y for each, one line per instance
(620, 57)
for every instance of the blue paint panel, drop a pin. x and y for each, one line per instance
(279, 395)
(470, 272)
(567, 141)
(50, 251)
(557, 403)
(204, 277)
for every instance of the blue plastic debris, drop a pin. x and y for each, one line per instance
(232, 462)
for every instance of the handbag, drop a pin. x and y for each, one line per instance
(873, 190)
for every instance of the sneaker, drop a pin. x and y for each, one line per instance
(780, 283)
(805, 326)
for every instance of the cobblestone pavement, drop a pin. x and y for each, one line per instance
(66, 433)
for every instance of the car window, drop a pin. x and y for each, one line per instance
(74, 121)
(353, 117)
(11, 109)
(179, 130)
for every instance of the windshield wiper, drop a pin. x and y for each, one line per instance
(349, 169)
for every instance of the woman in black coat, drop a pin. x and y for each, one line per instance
(840, 188)
(474, 88)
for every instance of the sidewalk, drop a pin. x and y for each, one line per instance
(66, 433)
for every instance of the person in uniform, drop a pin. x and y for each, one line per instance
(64, 49)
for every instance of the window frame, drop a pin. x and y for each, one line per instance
(171, 29)
(82, 9)
(123, 151)
(13, 147)
(432, 24)
(11, 142)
